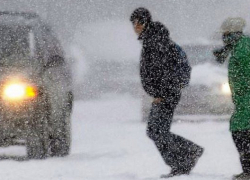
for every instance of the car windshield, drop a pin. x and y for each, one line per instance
(14, 41)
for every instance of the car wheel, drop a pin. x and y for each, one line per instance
(61, 139)
(38, 134)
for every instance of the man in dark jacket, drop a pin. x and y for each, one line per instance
(164, 71)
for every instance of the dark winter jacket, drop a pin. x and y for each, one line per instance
(164, 68)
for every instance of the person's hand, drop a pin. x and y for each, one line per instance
(218, 52)
(222, 53)
(157, 100)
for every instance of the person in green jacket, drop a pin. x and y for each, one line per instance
(237, 47)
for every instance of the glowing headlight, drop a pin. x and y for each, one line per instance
(18, 91)
(226, 89)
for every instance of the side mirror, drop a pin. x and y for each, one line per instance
(54, 61)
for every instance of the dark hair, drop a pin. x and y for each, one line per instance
(142, 15)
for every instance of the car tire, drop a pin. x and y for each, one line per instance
(61, 140)
(38, 135)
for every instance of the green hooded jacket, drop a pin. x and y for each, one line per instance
(239, 81)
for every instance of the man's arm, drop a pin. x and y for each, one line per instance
(153, 69)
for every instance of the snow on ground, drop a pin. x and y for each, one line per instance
(109, 143)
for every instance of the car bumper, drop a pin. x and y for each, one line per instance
(16, 119)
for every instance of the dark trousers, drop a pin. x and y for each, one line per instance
(177, 152)
(242, 142)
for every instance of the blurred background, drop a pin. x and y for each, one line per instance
(104, 53)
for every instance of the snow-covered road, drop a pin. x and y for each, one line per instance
(109, 143)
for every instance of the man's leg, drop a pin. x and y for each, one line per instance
(155, 130)
(161, 115)
(186, 153)
(242, 142)
(158, 130)
(180, 154)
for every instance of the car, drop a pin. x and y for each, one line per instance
(36, 96)
(208, 91)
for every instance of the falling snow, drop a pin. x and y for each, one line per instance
(77, 85)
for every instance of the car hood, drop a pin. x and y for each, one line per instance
(20, 65)
(208, 75)
(26, 74)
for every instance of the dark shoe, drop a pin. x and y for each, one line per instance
(242, 176)
(195, 157)
(199, 153)
(186, 171)
(174, 172)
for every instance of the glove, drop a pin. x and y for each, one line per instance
(222, 53)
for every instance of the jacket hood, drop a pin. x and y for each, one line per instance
(154, 30)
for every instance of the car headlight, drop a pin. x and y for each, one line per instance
(17, 91)
(226, 89)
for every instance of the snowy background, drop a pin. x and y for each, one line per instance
(109, 140)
